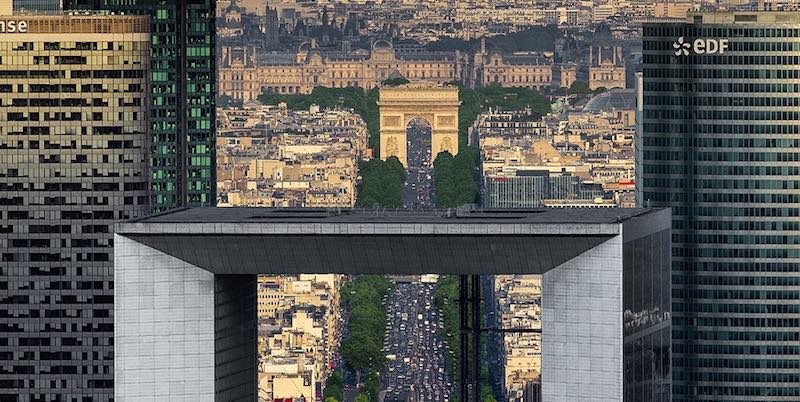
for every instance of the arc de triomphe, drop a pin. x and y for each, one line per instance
(399, 105)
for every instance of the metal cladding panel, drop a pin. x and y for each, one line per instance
(371, 254)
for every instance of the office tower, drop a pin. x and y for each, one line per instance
(36, 6)
(183, 115)
(74, 145)
(720, 134)
(605, 289)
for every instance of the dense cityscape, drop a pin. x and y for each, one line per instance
(399, 200)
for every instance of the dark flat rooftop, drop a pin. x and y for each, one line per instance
(308, 215)
(235, 241)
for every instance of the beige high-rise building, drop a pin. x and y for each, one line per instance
(74, 157)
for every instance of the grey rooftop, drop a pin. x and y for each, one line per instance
(377, 216)
(263, 240)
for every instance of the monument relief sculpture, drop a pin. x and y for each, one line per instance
(391, 147)
(446, 145)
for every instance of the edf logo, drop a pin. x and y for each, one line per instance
(700, 46)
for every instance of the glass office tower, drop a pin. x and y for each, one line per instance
(183, 76)
(74, 159)
(720, 139)
(36, 6)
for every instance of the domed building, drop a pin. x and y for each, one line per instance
(233, 15)
(616, 102)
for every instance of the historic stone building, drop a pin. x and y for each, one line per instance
(530, 70)
(523, 70)
(565, 75)
(606, 67)
(243, 76)
(237, 25)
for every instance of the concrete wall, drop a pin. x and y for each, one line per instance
(236, 338)
(582, 327)
(163, 327)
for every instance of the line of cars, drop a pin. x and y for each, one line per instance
(415, 369)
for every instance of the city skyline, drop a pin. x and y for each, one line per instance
(399, 200)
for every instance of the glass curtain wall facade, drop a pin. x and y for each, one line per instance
(515, 191)
(36, 6)
(720, 135)
(74, 156)
(183, 76)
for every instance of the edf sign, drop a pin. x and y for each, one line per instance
(700, 46)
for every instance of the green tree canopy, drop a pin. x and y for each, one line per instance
(393, 82)
(381, 183)
(455, 178)
(372, 386)
(536, 38)
(334, 387)
(363, 296)
(579, 88)
(361, 351)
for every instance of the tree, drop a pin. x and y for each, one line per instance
(455, 178)
(579, 88)
(362, 398)
(381, 184)
(334, 388)
(331, 399)
(362, 350)
(537, 38)
(393, 82)
(445, 297)
(372, 386)
(444, 175)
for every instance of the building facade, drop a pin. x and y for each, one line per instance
(518, 191)
(606, 67)
(244, 76)
(513, 70)
(719, 127)
(74, 156)
(183, 64)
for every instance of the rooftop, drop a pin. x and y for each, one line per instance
(314, 215)
(265, 240)
(612, 100)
